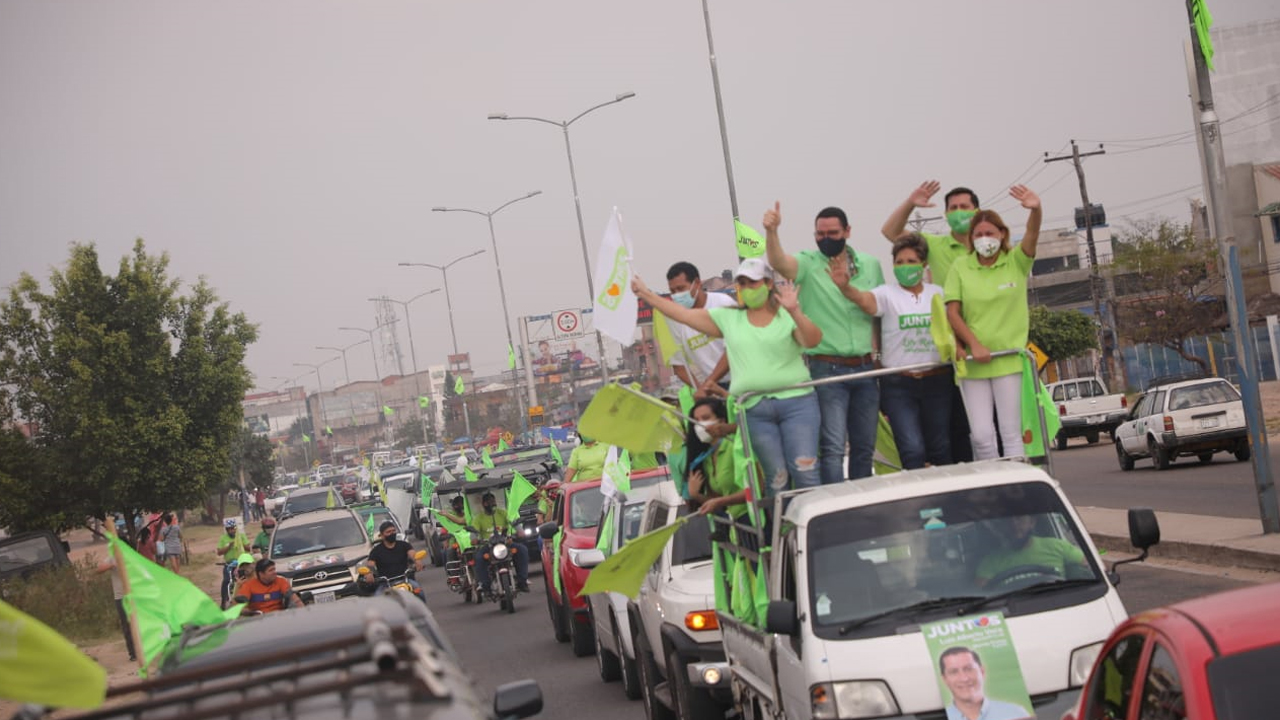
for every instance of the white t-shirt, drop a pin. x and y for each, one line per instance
(705, 351)
(905, 320)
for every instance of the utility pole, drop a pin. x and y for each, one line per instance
(1215, 173)
(1095, 279)
(917, 222)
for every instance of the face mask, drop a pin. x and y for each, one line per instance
(489, 509)
(702, 432)
(959, 220)
(586, 440)
(831, 247)
(908, 275)
(683, 299)
(986, 246)
(753, 297)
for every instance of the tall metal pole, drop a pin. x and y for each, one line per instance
(1215, 169)
(586, 261)
(506, 325)
(724, 133)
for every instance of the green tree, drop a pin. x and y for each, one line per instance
(1169, 284)
(1062, 334)
(411, 432)
(135, 388)
(252, 460)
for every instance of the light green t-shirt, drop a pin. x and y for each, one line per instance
(484, 523)
(643, 461)
(943, 252)
(235, 546)
(993, 303)
(846, 330)
(1048, 552)
(588, 461)
(721, 476)
(762, 358)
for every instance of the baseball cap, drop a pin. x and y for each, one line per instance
(754, 269)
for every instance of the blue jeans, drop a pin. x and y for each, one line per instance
(784, 438)
(519, 558)
(919, 411)
(850, 411)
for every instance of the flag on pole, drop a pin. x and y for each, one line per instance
(617, 472)
(614, 307)
(484, 457)
(519, 491)
(750, 244)
(667, 344)
(458, 386)
(386, 410)
(511, 357)
(469, 473)
(423, 401)
(329, 504)
(889, 460)
(427, 487)
(502, 445)
(382, 492)
(628, 418)
(369, 527)
(39, 666)
(1035, 400)
(1203, 21)
(306, 438)
(555, 453)
(624, 571)
(459, 533)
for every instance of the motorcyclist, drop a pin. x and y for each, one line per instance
(266, 591)
(391, 558)
(458, 516)
(486, 523)
(262, 543)
(230, 547)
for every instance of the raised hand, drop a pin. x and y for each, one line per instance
(787, 295)
(773, 218)
(920, 196)
(1025, 195)
(838, 269)
(637, 285)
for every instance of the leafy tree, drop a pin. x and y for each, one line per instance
(411, 433)
(1062, 334)
(1168, 282)
(135, 388)
(31, 494)
(252, 457)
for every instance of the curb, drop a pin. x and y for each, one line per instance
(1214, 555)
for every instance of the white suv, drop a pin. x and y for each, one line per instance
(1190, 417)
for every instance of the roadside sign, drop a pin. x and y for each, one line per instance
(1041, 358)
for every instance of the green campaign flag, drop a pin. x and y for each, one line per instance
(604, 538)
(423, 401)
(631, 419)
(458, 386)
(484, 457)
(469, 473)
(1203, 21)
(382, 492)
(624, 571)
(353, 420)
(459, 533)
(37, 665)
(502, 445)
(511, 357)
(750, 244)
(386, 410)
(555, 453)
(369, 526)
(306, 438)
(890, 461)
(1036, 399)
(162, 602)
(328, 431)
(329, 503)
(686, 399)
(466, 510)
(519, 491)
(617, 470)
(427, 487)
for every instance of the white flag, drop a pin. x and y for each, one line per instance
(608, 487)
(614, 306)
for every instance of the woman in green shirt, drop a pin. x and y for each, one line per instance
(587, 461)
(713, 481)
(986, 295)
(763, 340)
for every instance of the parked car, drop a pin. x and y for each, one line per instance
(26, 553)
(1086, 409)
(1186, 417)
(312, 498)
(319, 551)
(1211, 658)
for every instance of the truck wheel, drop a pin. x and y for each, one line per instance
(556, 626)
(606, 662)
(1242, 454)
(1159, 456)
(1126, 460)
(1205, 458)
(630, 679)
(1092, 437)
(582, 635)
(648, 676)
(692, 703)
(1060, 440)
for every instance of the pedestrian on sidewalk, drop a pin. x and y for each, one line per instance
(117, 591)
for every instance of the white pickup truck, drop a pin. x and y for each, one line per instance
(1087, 410)
(857, 569)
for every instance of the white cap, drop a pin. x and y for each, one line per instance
(754, 269)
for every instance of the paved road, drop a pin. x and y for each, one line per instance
(1092, 477)
(497, 648)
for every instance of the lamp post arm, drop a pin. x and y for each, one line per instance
(541, 120)
(580, 115)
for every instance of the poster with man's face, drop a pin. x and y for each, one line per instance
(977, 668)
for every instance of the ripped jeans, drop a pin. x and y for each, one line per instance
(784, 438)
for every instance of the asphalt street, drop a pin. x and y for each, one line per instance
(1091, 476)
(497, 648)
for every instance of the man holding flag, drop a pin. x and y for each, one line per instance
(698, 360)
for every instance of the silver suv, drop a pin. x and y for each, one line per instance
(319, 552)
(1189, 417)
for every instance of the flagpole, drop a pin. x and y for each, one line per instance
(724, 132)
(130, 608)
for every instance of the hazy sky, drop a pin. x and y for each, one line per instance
(291, 151)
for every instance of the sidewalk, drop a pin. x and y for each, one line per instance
(1201, 539)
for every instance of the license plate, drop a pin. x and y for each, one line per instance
(323, 597)
(1096, 419)
(1210, 422)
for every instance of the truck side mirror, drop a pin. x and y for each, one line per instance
(1144, 529)
(588, 559)
(781, 618)
(548, 530)
(519, 699)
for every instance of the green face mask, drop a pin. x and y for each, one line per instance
(753, 297)
(959, 220)
(908, 275)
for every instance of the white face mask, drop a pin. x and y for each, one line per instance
(986, 246)
(702, 432)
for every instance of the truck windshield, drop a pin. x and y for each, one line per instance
(22, 553)
(920, 554)
(585, 507)
(316, 536)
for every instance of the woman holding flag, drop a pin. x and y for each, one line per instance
(714, 483)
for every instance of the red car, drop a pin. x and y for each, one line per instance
(1212, 658)
(576, 513)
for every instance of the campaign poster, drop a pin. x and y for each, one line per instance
(976, 666)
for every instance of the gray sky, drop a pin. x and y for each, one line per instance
(291, 151)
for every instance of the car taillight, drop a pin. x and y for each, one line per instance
(1168, 424)
(1062, 409)
(701, 620)
(1124, 401)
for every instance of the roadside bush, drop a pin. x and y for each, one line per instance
(73, 599)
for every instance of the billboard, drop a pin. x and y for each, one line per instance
(562, 342)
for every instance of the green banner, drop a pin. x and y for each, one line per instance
(459, 533)
(520, 490)
(1036, 398)
(631, 420)
(976, 664)
(750, 244)
(37, 665)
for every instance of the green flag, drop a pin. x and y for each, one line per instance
(466, 510)
(889, 461)
(353, 420)
(750, 244)
(469, 473)
(382, 492)
(386, 410)
(511, 357)
(423, 401)
(617, 469)
(624, 571)
(306, 438)
(329, 503)
(484, 457)
(37, 665)
(427, 487)
(502, 445)
(369, 526)
(686, 399)
(459, 533)
(555, 453)
(632, 420)
(1203, 21)
(162, 602)
(458, 386)
(328, 431)
(604, 538)
(519, 491)
(1036, 399)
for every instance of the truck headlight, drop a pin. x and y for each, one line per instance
(500, 552)
(853, 699)
(1082, 660)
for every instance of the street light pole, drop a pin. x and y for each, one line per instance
(413, 351)
(346, 371)
(577, 200)
(502, 290)
(324, 415)
(377, 377)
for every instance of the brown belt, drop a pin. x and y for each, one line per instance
(926, 373)
(845, 360)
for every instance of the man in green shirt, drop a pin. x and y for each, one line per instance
(944, 250)
(230, 547)
(494, 519)
(1027, 550)
(849, 410)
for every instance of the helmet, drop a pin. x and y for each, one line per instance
(268, 522)
(229, 523)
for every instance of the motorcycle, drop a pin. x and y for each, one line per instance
(399, 583)
(459, 574)
(497, 550)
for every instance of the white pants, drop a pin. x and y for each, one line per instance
(1003, 393)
